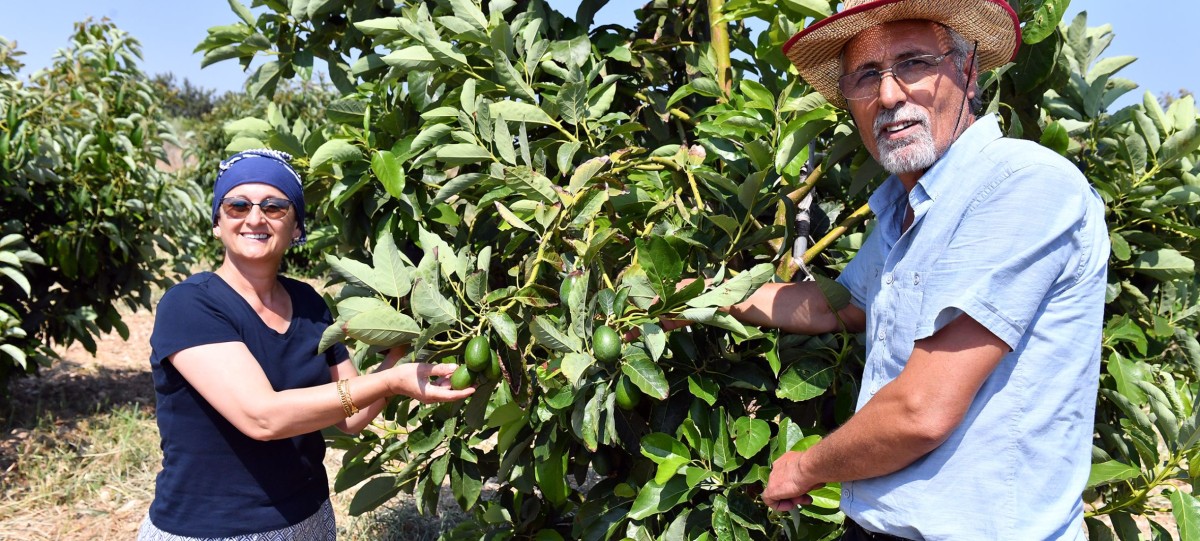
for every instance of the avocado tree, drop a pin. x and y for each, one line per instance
(511, 185)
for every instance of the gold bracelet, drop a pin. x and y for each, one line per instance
(343, 389)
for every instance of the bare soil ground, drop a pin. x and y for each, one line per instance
(66, 397)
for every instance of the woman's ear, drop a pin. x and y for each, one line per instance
(217, 231)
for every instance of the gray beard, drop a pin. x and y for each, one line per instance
(908, 155)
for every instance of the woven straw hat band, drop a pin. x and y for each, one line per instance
(816, 51)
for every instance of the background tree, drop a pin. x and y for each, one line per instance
(78, 148)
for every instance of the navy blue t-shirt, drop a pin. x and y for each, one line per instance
(216, 481)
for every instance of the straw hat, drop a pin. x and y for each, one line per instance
(816, 50)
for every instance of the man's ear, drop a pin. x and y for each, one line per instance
(972, 87)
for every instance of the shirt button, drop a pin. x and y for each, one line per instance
(916, 279)
(881, 334)
(887, 278)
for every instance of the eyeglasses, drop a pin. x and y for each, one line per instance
(864, 84)
(274, 208)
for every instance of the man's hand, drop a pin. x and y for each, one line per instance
(786, 487)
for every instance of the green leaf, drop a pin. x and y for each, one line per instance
(805, 380)
(573, 102)
(703, 388)
(502, 142)
(387, 169)
(836, 294)
(530, 183)
(256, 128)
(668, 453)
(353, 272)
(656, 498)
(374, 493)
(662, 265)
(1044, 21)
(462, 153)
(706, 87)
(655, 340)
(574, 365)
(550, 474)
(262, 83)
(1178, 145)
(1126, 374)
(1186, 510)
(16, 276)
(1164, 264)
(585, 172)
(1124, 329)
(505, 327)
(515, 111)
(1150, 132)
(429, 304)
(392, 268)
(816, 9)
(334, 151)
(513, 219)
(750, 436)
(16, 354)
(511, 79)
(348, 111)
(430, 135)
(647, 375)
(1120, 247)
(736, 289)
(1055, 138)
(382, 327)
(414, 58)
(712, 316)
(550, 337)
(469, 11)
(242, 12)
(456, 186)
(1110, 472)
(1179, 195)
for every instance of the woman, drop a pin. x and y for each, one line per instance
(242, 392)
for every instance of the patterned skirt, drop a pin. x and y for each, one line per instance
(318, 527)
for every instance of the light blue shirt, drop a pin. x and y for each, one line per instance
(1012, 235)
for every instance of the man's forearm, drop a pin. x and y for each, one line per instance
(888, 434)
(796, 307)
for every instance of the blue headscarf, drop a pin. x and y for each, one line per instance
(261, 166)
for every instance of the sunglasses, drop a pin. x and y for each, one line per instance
(273, 208)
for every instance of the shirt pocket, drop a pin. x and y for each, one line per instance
(907, 294)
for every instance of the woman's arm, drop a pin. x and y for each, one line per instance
(229, 378)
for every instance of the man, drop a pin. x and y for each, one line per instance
(981, 290)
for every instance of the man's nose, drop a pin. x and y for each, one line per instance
(891, 93)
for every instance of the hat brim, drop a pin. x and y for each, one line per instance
(816, 50)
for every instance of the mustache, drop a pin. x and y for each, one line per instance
(904, 113)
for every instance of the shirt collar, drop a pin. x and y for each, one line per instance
(979, 134)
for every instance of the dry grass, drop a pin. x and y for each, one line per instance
(79, 451)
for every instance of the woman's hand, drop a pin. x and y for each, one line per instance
(427, 382)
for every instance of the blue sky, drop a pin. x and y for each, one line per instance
(1159, 33)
